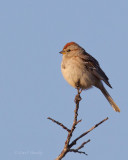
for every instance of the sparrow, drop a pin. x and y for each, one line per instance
(82, 71)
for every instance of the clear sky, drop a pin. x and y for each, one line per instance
(32, 32)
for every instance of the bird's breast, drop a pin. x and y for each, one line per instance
(74, 72)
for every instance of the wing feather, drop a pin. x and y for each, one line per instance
(92, 65)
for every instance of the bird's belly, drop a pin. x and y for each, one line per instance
(77, 75)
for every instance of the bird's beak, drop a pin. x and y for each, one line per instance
(62, 52)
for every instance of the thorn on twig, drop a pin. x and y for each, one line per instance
(60, 124)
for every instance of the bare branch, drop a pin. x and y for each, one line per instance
(75, 120)
(82, 145)
(67, 146)
(79, 121)
(82, 135)
(77, 151)
(64, 127)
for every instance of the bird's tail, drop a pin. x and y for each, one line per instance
(110, 100)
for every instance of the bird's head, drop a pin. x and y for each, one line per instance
(71, 49)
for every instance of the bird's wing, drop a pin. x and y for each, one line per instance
(92, 65)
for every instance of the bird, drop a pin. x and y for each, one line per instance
(82, 71)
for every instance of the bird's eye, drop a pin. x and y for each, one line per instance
(68, 50)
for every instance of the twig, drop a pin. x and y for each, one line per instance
(82, 135)
(60, 124)
(76, 151)
(79, 121)
(82, 145)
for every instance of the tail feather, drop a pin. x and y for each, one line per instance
(110, 100)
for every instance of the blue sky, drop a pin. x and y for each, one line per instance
(32, 87)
